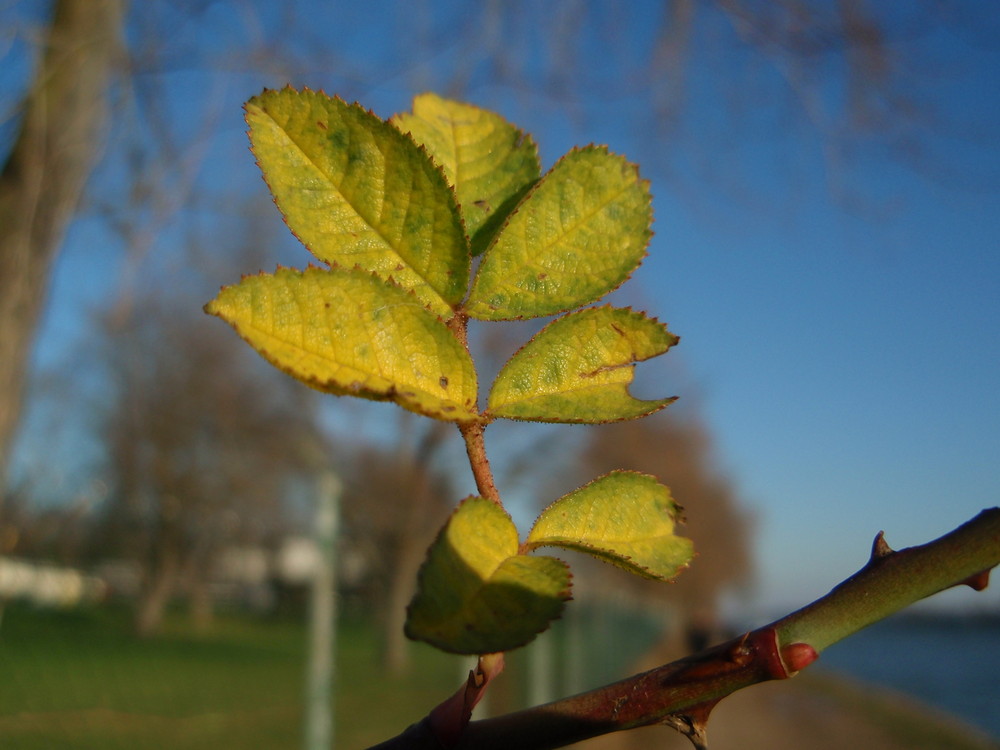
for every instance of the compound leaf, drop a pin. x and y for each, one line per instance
(624, 518)
(580, 232)
(476, 594)
(348, 332)
(357, 192)
(579, 367)
(489, 161)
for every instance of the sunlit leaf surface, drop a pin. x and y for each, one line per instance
(348, 332)
(625, 518)
(489, 161)
(579, 367)
(357, 192)
(576, 236)
(476, 594)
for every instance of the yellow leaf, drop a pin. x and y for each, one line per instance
(579, 233)
(348, 332)
(624, 518)
(357, 192)
(488, 161)
(579, 367)
(476, 594)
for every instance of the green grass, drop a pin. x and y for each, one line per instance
(80, 680)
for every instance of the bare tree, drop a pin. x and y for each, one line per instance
(202, 443)
(44, 175)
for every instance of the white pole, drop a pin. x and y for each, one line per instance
(320, 669)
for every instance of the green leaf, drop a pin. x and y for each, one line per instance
(476, 594)
(577, 235)
(488, 161)
(579, 367)
(625, 518)
(348, 332)
(358, 192)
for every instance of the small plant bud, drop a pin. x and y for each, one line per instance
(798, 656)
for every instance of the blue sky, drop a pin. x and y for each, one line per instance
(840, 320)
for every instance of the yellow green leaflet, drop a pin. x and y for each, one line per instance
(488, 161)
(348, 332)
(579, 367)
(357, 192)
(476, 594)
(577, 235)
(625, 518)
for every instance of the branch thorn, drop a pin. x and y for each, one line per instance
(693, 723)
(977, 582)
(880, 548)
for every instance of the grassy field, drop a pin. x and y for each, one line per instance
(80, 680)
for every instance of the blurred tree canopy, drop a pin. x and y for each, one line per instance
(150, 93)
(705, 83)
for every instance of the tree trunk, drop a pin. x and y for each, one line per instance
(402, 586)
(201, 603)
(158, 592)
(44, 176)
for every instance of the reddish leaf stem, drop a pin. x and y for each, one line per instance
(475, 446)
(472, 432)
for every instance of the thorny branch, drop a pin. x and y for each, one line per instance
(683, 693)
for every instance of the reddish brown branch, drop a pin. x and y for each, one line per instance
(683, 693)
(472, 432)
